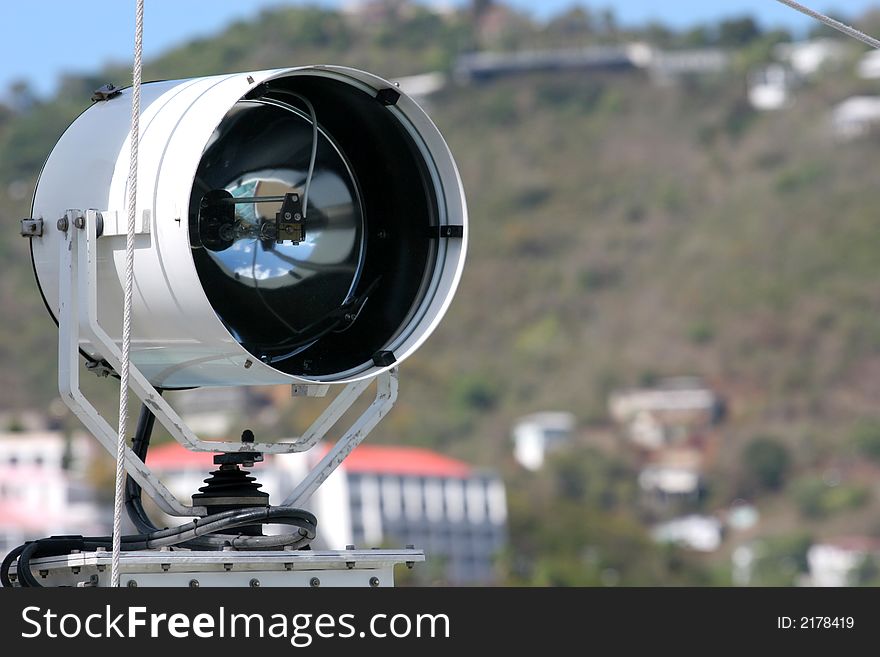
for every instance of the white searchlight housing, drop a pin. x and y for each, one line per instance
(236, 281)
(301, 226)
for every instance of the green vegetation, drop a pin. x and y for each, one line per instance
(780, 560)
(620, 231)
(817, 498)
(866, 439)
(767, 462)
(867, 573)
(576, 524)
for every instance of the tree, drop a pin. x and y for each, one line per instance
(780, 560)
(699, 36)
(608, 21)
(867, 573)
(737, 32)
(866, 439)
(766, 462)
(21, 96)
(575, 21)
(480, 7)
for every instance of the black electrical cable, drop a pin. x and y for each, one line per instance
(7, 563)
(196, 534)
(342, 316)
(25, 576)
(201, 533)
(44, 547)
(139, 445)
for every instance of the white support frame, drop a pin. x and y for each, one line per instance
(78, 316)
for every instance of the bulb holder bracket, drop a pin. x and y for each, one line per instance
(289, 224)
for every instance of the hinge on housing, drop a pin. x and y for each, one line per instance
(31, 227)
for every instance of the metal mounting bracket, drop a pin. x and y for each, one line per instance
(31, 227)
(78, 319)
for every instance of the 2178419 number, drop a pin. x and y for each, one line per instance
(815, 622)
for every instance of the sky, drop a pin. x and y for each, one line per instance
(41, 40)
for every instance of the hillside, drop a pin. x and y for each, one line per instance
(621, 231)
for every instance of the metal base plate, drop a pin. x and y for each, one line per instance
(227, 568)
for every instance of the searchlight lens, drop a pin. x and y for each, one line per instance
(279, 273)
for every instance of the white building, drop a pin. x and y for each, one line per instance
(670, 65)
(700, 533)
(855, 117)
(685, 396)
(868, 67)
(647, 431)
(380, 496)
(656, 416)
(673, 473)
(535, 435)
(742, 564)
(742, 516)
(43, 490)
(769, 88)
(833, 563)
(670, 480)
(415, 496)
(807, 58)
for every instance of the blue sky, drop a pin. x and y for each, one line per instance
(41, 40)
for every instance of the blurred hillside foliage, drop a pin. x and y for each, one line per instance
(620, 231)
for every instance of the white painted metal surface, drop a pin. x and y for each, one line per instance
(291, 568)
(73, 280)
(178, 340)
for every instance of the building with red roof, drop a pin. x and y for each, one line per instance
(381, 495)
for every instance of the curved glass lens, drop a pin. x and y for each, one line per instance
(280, 269)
